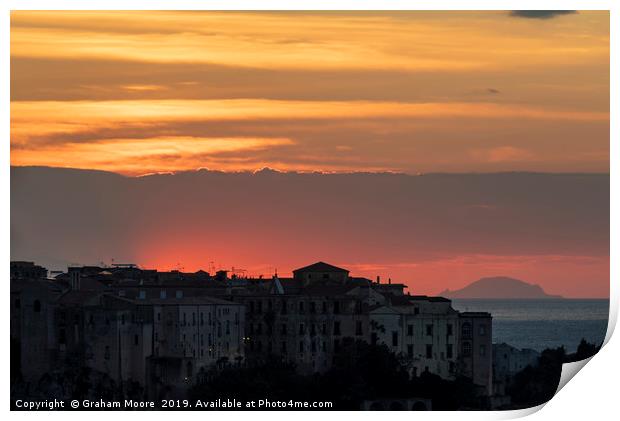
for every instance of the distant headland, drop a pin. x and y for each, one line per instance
(499, 287)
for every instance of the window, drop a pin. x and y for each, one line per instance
(162, 294)
(429, 351)
(158, 316)
(373, 338)
(106, 353)
(324, 329)
(466, 330)
(358, 328)
(483, 350)
(301, 307)
(135, 340)
(121, 293)
(336, 307)
(394, 338)
(467, 349)
(301, 329)
(336, 328)
(141, 295)
(283, 330)
(313, 329)
(449, 351)
(283, 347)
(193, 319)
(429, 330)
(179, 294)
(251, 306)
(260, 306)
(62, 336)
(313, 307)
(358, 307)
(228, 327)
(37, 306)
(416, 310)
(409, 330)
(301, 347)
(283, 308)
(449, 329)
(482, 330)
(324, 307)
(202, 318)
(410, 351)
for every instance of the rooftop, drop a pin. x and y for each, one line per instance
(320, 267)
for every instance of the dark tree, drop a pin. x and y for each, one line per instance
(536, 385)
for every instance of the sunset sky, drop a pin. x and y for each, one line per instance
(141, 92)
(409, 92)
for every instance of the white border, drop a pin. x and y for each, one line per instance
(591, 395)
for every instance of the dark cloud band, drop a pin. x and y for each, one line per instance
(540, 14)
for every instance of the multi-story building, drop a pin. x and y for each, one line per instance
(304, 320)
(475, 348)
(33, 307)
(508, 361)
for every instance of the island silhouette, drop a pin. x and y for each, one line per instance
(499, 287)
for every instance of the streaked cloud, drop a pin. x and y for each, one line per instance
(386, 91)
(541, 14)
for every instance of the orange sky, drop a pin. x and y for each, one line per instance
(408, 91)
(412, 92)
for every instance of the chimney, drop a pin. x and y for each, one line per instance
(378, 279)
(389, 281)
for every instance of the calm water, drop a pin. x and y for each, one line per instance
(540, 324)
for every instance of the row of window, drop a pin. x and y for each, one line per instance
(163, 294)
(312, 307)
(430, 329)
(467, 330)
(467, 349)
(211, 351)
(313, 330)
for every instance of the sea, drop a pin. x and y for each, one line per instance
(545, 323)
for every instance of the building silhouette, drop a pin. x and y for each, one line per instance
(163, 329)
